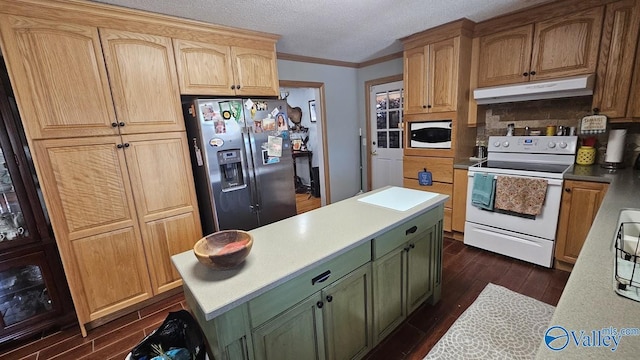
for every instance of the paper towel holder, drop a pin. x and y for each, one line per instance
(616, 147)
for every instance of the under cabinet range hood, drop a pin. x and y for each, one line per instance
(536, 90)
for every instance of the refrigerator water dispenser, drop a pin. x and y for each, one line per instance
(231, 176)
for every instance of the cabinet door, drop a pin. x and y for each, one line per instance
(504, 57)
(579, 206)
(633, 108)
(442, 79)
(144, 81)
(87, 191)
(347, 315)
(59, 68)
(615, 67)
(567, 46)
(256, 71)
(165, 198)
(204, 69)
(415, 81)
(459, 208)
(296, 334)
(419, 269)
(389, 292)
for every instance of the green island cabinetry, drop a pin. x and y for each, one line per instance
(338, 307)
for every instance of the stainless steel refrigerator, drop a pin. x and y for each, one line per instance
(242, 163)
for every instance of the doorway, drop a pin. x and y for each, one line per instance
(385, 133)
(309, 135)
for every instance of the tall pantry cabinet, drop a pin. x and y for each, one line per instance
(102, 111)
(436, 81)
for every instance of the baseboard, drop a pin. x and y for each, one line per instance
(561, 265)
(118, 314)
(455, 235)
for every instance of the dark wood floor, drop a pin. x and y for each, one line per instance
(466, 271)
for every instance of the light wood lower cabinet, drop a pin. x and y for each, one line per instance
(580, 203)
(120, 207)
(460, 182)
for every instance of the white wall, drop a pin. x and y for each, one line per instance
(345, 114)
(340, 120)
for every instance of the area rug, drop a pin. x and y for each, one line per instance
(500, 324)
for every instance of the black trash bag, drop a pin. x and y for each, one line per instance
(179, 330)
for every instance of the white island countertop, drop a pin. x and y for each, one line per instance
(285, 249)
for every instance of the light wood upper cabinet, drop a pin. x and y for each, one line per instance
(203, 68)
(559, 47)
(633, 109)
(567, 46)
(59, 77)
(89, 198)
(144, 82)
(616, 63)
(256, 71)
(162, 182)
(431, 77)
(212, 69)
(505, 56)
(580, 203)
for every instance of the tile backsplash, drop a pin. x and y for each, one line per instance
(539, 114)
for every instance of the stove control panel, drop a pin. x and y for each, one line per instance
(565, 145)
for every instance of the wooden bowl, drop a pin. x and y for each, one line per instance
(223, 249)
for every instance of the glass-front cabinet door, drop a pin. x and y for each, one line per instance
(12, 223)
(34, 294)
(24, 290)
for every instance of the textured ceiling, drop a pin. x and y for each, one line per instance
(344, 30)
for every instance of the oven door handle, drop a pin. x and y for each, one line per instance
(552, 182)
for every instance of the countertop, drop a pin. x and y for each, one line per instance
(287, 248)
(589, 302)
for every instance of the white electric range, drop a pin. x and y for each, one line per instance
(525, 238)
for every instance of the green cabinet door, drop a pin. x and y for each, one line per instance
(296, 334)
(389, 292)
(347, 315)
(419, 269)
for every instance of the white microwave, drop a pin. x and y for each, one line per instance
(430, 134)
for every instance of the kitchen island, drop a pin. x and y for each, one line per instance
(288, 289)
(589, 306)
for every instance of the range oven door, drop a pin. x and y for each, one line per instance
(430, 134)
(543, 226)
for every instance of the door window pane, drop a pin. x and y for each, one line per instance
(388, 118)
(394, 119)
(382, 139)
(395, 101)
(381, 121)
(381, 101)
(395, 140)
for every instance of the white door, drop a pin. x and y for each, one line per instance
(386, 134)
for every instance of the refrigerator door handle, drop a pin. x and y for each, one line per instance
(256, 179)
(249, 170)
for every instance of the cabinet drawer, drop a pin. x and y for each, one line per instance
(437, 187)
(277, 300)
(397, 236)
(441, 168)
